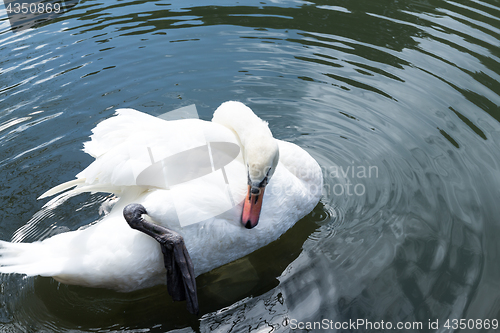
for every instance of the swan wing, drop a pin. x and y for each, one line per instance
(125, 145)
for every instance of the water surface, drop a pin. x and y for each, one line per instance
(397, 100)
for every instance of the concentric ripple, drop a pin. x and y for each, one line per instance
(397, 100)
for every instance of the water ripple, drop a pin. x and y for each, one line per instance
(397, 101)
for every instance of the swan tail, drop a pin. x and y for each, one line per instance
(62, 187)
(80, 187)
(27, 258)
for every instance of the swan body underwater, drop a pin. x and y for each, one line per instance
(182, 229)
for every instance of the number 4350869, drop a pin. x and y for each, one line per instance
(33, 8)
(471, 324)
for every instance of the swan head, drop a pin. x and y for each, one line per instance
(260, 153)
(261, 156)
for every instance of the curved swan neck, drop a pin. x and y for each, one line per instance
(260, 150)
(240, 119)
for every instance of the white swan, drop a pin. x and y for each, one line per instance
(110, 254)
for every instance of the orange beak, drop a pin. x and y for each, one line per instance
(252, 206)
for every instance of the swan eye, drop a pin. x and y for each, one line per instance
(263, 182)
(266, 179)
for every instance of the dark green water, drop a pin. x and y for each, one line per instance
(408, 90)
